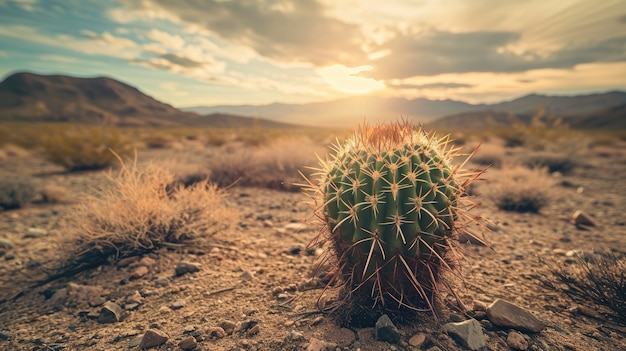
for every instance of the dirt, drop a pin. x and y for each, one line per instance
(255, 279)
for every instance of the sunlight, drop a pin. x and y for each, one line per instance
(344, 79)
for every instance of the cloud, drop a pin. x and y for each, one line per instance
(431, 86)
(344, 79)
(440, 52)
(286, 30)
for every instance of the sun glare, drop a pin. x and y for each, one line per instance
(346, 80)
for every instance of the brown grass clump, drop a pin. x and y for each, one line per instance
(599, 278)
(16, 192)
(553, 162)
(520, 189)
(273, 166)
(86, 148)
(489, 154)
(137, 214)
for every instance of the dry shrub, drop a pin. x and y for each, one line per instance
(16, 192)
(86, 148)
(553, 162)
(157, 141)
(599, 278)
(520, 189)
(275, 165)
(137, 214)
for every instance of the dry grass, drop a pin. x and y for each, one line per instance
(274, 166)
(554, 162)
(520, 189)
(16, 192)
(598, 278)
(490, 155)
(137, 214)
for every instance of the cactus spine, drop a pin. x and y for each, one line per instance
(393, 205)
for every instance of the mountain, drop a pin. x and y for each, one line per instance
(350, 111)
(58, 98)
(346, 112)
(612, 118)
(480, 119)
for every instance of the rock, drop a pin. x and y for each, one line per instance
(135, 342)
(135, 298)
(185, 267)
(139, 272)
(264, 217)
(559, 252)
(581, 218)
(295, 226)
(516, 341)
(228, 326)
(6, 243)
(110, 313)
(188, 343)
(178, 304)
(216, 332)
(417, 340)
(247, 276)
(5, 335)
(35, 233)
(386, 331)
(434, 348)
(505, 314)
(147, 261)
(320, 345)
(254, 330)
(153, 338)
(468, 333)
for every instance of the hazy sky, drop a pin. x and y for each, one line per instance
(205, 52)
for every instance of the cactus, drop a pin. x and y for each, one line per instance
(393, 206)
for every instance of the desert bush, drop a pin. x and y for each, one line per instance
(599, 278)
(489, 154)
(553, 162)
(520, 189)
(137, 214)
(275, 165)
(86, 148)
(156, 141)
(16, 192)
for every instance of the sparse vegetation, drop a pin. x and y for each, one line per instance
(86, 148)
(552, 161)
(599, 278)
(16, 192)
(520, 189)
(489, 154)
(137, 214)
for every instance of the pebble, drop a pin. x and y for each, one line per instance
(147, 261)
(228, 326)
(188, 343)
(468, 333)
(139, 272)
(6, 243)
(247, 276)
(264, 217)
(317, 320)
(185, 267)
(254, 330)
(434, 348)
(295, 226)
(217, 332)
(153, 338)
(320, 345)
(559, 252)
(386, 330)
(505, 314)
(110, 313)
(35, 233)
(178, 304)
(5, 335)
(417, 340)
(135, 298)
(581, 218)
(516, 341)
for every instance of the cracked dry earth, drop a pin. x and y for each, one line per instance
(252, 289)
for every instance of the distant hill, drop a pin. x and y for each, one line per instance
(611, 118)
(350, 111)
(480, 119)
(58, 98)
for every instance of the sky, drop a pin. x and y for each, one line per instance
(214, 52)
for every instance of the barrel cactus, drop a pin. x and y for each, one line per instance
(393, 206)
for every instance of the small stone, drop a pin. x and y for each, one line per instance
(254, 330)
(581, 218)
(6, 243)
(295, 226)
(178, 304)
(317, 320)
(417, 340)
(139, 272)
(135, 298)
(386, 331)
(505, 314)
(467, 333)
(135, 342)
(188, 343)
(153, 338)
(559, 252)
(185, 267)
(35, 233)
(5, 335)
(216, 332)
(228, 326)
(247, 276)
(434, 348)
(264, 217)
(516, 341)
(131, 306)
(110, 313)
(147, 261)
(320, 345)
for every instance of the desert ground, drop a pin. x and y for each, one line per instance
(254, 283)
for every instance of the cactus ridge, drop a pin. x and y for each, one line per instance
(393, 204)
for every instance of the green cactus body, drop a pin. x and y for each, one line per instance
(391, 201)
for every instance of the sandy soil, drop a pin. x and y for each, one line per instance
(254, 288)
